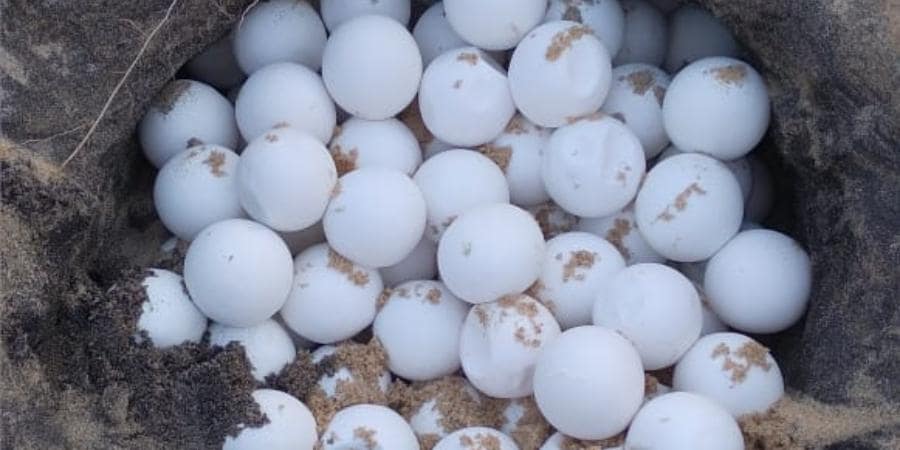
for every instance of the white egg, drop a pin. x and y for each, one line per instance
(455, 181)
(290, 425)
(605, 18)
(476, 438)
(620, 229)
(216, 65)
(718, 106)
(434, 35)
(385, 53)
(419, 327)
(558, 73)
(279, 31)
(518, 150)
(688, 207)
(501, 341)
(636, 98)
(489, 252)
(419, 264)
(733, 370)
(332, 298)
(368, 426)
(464, 97)
(646, 34)
(285, 179)
(552, 219)
(336, 12)
(684, 421)
(655, 307)
(197, 188)
(740, 167)
(495, 25)
(238, 272)
(376, 216)
(168, 316)
(759, 282)
(694, 34)
(762, 195)
(267, 345)
(593, 167)
(300, 240)
(559, 441)
(577, 266)
(375, 143)
(589, 383)
(184, 114)
(285, 94)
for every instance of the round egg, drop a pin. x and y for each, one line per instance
(184, 114)
(368, 426)
(267, 345)
(636, 98)
(456, 181)
(285, 179)
(552, 219)
(759, 282)
(384, 51)
(419, 327)
(646, 34)
(605, 18)
(285, 94)
(290, 424)
(495, 25)
(216, 65)
(733, 370)
(300, 240)
(434, 35)
(740, 168)
(326, 283)
(559, 441)
(197, 188)
(558, 73)
(694, 34)
(589, 382)
(336, 12)
(576, 267)
(718, 106)
(518, 151)
(684, 421)
(489, 252)
(238, 272)
(655, 307)
(620, 230)
(476, 438)
(464, 97)
(384, 143)
(279, 31)
(501, 341)
(762, 195)
(168, 315)
(593, 167)
(688, 207)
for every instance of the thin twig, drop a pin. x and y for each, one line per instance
(54, 136)
(244, 14)
(121, 83)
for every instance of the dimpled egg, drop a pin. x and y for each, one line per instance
(368, 426)
(168, 316)
(500, 342)
(279, 31)
(336, 12)
(759, 282)
(517, 151)
(589, 382)
(384, 51)
(694, 34)
(733, 370)
(688, 207)
(655, 307)
(216, 65)
(290, 424)
(646, 34)
(375, 143)
(620, 229)
(434, 35)
(684, 421)
(267, 345)
(718, 106)
(636, 98)
(495, 25)
(419, 264)
(605, 18)
(489, 252)
(464, 97)
(476, 438)
(559, 72)
(593, 167)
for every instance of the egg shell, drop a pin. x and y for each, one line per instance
(489, 252)
(267, 345)
(495, 25)
(168, 315)
(688, 207)
(332, 299)
(655, 307)
(238, 272)
(434, 35)
(518, 151)
(559, 441)
(762, 196)
(285, 94)
(589, 382)
(684, 421)
(285, 179)
(419, 327)
(759, 282)
(375, 143)
(646, 34)
(501, 341)
(733, 370)
(456, 181)
(593, 167)
(279, 31)
(185, 113)
(290, 424)
(216, 65)
(740, 168)
(368, 426)
(383, 50)
(558, 73)
(620, 229)
(605, 18)
(300, 240)
(476, 438)
(336, 12)
(636, 98)
(197, 188)
(694, 33)
(419, 264)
